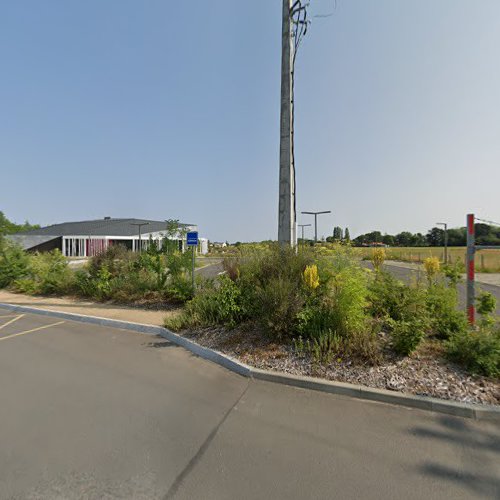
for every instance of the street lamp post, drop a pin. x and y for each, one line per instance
(316, 221)
(302, 226)
(139, 225)
(445, 225)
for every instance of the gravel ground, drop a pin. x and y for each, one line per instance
(425, 373)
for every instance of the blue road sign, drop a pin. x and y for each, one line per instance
(192, 239)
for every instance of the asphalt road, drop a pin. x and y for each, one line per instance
(212, 267)
(91, 412)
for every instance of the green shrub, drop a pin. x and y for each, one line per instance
(406, 335)
(323, 347)
(123, 276)
(47, 273)
(179, 289)
(442, 304)
(486, 306)
(84, 284)
(217, 303)
(454, 272)
(402, 308)
(393, 299)
(14, 262)
(346, 294)
(378, 258)
(272, 287)
(115, 259)
(277, 303)
(103, 285)
(486, 303)
(477, 350)
(364, 345)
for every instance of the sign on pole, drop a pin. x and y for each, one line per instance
(192, 239)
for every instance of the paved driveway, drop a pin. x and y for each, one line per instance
(101, 413)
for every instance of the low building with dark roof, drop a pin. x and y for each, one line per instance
(88, 238)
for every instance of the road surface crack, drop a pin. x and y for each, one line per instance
(201, 451)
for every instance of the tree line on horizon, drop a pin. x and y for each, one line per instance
(9, 227)
(457, 237)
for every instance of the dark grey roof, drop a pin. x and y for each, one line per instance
(100, 227)
(27, 240)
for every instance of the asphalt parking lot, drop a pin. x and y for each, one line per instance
(101, 413)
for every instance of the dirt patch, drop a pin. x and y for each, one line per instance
(425, 373)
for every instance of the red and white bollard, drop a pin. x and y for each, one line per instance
(471, 250)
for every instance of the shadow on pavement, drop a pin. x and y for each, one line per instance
(481, 484)
(160, 344)
(483, 448)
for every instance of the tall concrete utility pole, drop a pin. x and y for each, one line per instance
(287, 231)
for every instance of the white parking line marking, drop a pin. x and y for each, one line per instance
(11, 321)
(31, 331)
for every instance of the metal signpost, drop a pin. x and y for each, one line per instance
(445, 225)
(471, 252)
(192, 241)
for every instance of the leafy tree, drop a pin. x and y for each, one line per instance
(337, 233)
(418, 240)
(435, 237)
(404, 239)
(388, 239)
(457, 237)
(8, 227)
(347, 236)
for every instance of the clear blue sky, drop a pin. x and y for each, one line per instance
(170, 109)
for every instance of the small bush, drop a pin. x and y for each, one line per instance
(84, 284)
(364, 346)
(156, 274)
(14, 262)
(406, 335)
(392, 299)
(442, 304)
(340, 308)
(114, 259)
(432, 267)
(217, 303)
(272, 287)
(486, 306)
(454, 272)
(378, 258)
(47, 273)
(311, 278)
(232, 267)
(477, 350)
(278, 302)
(179, 289)
(323, 347)
(402, 308)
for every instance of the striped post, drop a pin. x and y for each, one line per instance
(470, 268)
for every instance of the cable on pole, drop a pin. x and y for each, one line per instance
(298, 16)
(301, 22)
(490, 222)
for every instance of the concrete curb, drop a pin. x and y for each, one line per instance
(477, 412)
